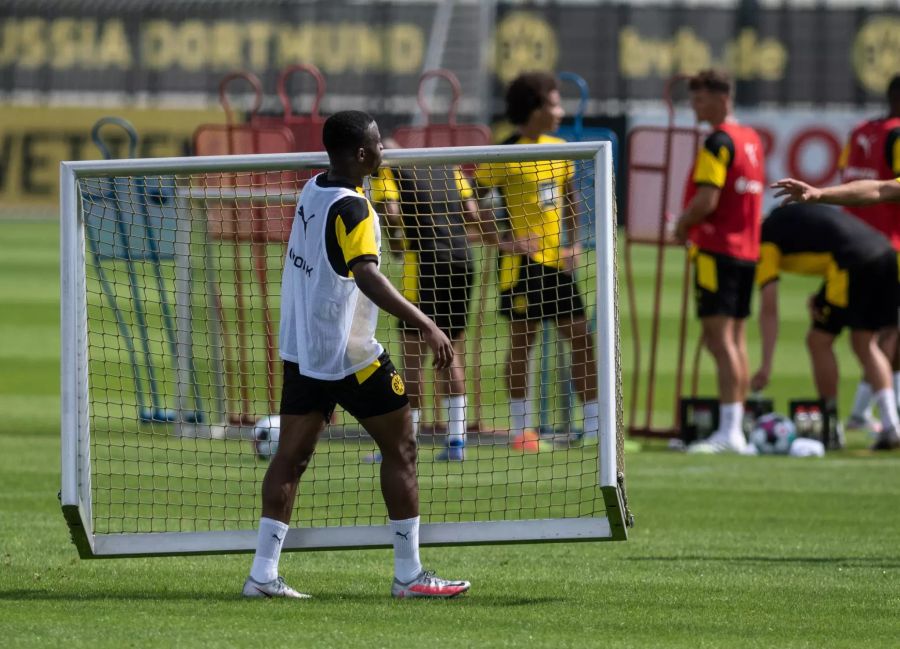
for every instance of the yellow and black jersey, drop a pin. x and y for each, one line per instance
(812, 239)
(431, 207)
(713, 160)
(732, 161)
(350, 232)
(534, 193)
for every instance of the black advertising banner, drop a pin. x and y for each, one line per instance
(168, 51)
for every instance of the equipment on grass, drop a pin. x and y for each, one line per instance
(815, 420)
(129, 494)
(305, 128)
(773, 434)
(136, 228)
(659, 161)
(436, 134)
(266, 434)
(237, 219)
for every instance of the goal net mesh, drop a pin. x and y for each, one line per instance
(182, 286)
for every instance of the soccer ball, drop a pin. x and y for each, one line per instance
(773, 434)
(265, 436)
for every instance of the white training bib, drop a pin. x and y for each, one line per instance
(327, 324)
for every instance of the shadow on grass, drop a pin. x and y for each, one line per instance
(24, 595)
(843, 562)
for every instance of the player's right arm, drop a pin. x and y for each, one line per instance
(858, 192)
(709, 175)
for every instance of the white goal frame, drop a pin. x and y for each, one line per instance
(76, 495)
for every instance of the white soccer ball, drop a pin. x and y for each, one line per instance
(773, 434)
(265, 436)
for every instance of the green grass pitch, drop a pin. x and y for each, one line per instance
(726, 552)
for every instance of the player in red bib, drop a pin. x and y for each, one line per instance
(721, 220)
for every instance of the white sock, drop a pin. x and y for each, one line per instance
(455, 407)
(268, 549)
(731, 418)
(887, 406)
(406, 549)
(862, 402)
(416, 415)
(591, 418)
(517, 416)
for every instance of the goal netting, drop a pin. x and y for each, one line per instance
(171, 274)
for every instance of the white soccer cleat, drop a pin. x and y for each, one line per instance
(722, 443)
(427, 584)
(274, 588)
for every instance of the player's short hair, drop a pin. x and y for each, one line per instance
(345, 131)
(527, 93)
(711, 80)
(893, 90)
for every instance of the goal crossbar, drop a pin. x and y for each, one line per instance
(76, 490)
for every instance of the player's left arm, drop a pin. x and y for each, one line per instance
(570, 215)
(709, 175)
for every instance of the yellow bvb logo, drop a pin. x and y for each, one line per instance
(397, 385)
(524, 42)
(876, 52)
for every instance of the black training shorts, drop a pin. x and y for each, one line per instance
(863, 297)
(370, 392)
(441, 290)
(723, 285)
(539, 292)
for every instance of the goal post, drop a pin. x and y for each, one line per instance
(132, 488)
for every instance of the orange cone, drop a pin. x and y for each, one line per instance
(527, 442)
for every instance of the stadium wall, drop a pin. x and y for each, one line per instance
(153, 56)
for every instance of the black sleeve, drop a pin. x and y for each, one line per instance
(718, 139)
(353, 210)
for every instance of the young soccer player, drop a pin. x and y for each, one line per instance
(537, 262)
(331, 292)
(859, 268)
(433, 207)
(721, 220)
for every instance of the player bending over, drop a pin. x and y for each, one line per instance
(331, 292)
(869, 164)
(859, 269)
(721, 219)
(537, 261)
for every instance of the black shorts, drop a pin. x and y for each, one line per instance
(533, 291)
(375, 390)
(723, 285)
(441, 290)
(863, 297)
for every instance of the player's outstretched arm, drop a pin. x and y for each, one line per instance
(377, 288)
(858, 192)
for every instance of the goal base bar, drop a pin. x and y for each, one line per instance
(337, 538)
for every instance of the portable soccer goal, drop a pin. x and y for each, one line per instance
(132, 488)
